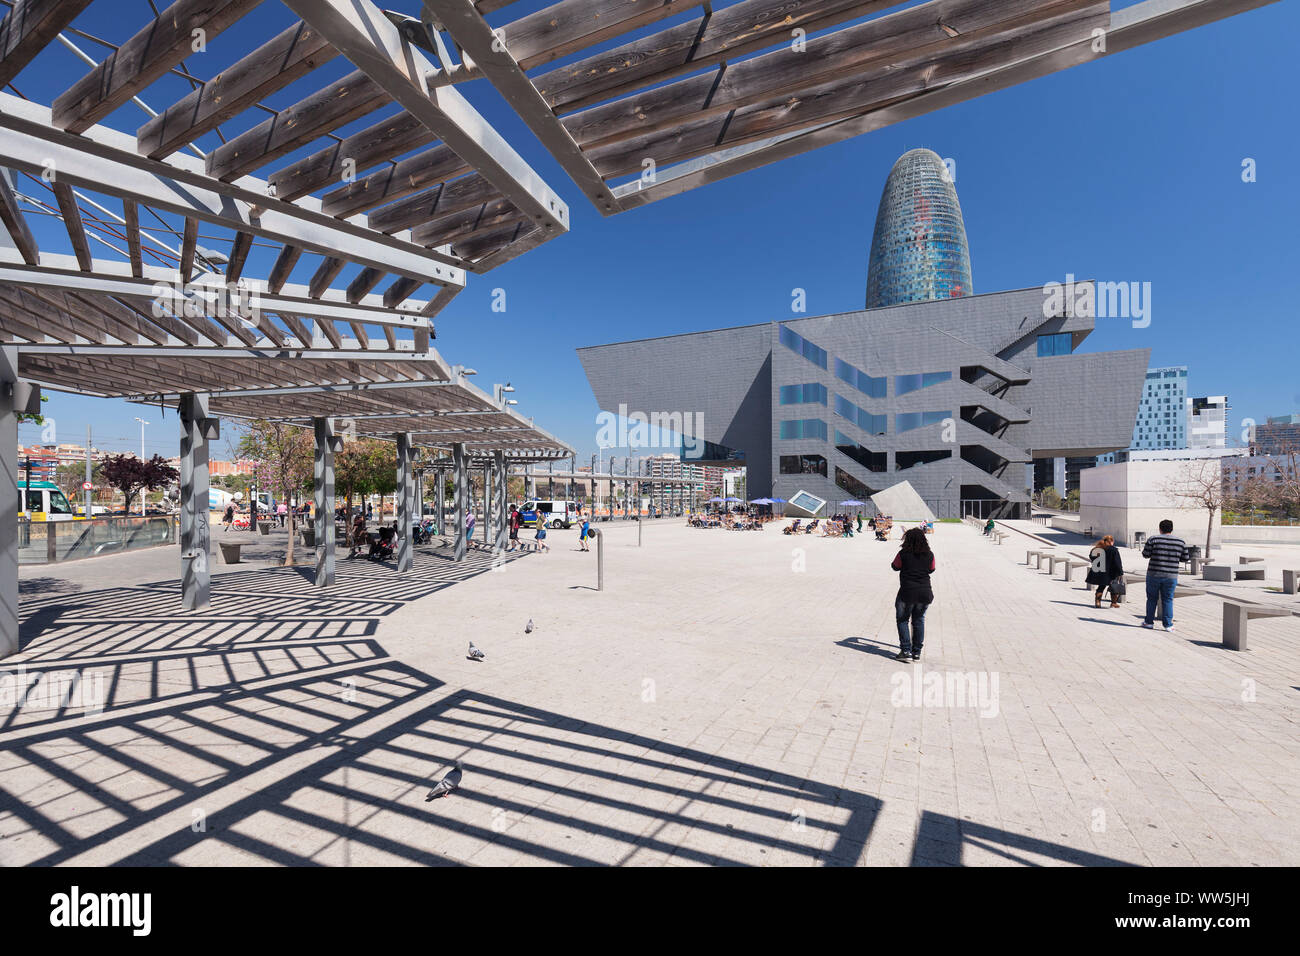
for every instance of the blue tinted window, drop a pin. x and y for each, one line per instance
(1060, 343)
(910, 383)
(797, 343)
(864, 383)
(907, 421)
(804, 428)
(872, 424)
(801, 394)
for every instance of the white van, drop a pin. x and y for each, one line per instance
(557, 514)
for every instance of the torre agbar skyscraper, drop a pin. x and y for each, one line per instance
(918, 248)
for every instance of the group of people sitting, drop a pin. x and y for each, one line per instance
(741, 521)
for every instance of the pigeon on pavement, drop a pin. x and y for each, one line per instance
(528, 628)
(474, 653)
(449, 782)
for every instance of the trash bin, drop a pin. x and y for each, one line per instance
(309, 537)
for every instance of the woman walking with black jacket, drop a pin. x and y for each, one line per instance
(1107, 570)
(914, 564)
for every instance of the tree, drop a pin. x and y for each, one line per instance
(69, 478)
(285, 457)
(364, 467)
(1049, 497)
(128, 474)
(1199, 484)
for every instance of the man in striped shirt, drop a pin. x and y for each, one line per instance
(1165, 554)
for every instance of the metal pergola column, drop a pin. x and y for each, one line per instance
(405, 495)
(197, 429)
(11, 403)
(499, 509)
(488, 526)
(323, 492)
(461, 465)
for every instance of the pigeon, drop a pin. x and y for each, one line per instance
(474, 653)
(449, 782)
(528, 628)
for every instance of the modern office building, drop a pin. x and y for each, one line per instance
(1207, 422)
(954, 395)
(1280, 435)
(918, 248)
(1162, 413)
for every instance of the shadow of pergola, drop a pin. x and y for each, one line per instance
(274, 728)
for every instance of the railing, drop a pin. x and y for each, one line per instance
(51, 542)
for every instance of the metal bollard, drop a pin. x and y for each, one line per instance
(600, 560)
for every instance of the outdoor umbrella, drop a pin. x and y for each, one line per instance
(779, 501)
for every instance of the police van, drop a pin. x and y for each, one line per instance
(557, 514)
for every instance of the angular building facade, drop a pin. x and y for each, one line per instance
(918, 248)
(952, 395)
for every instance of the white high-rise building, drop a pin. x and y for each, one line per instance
(1207, 422)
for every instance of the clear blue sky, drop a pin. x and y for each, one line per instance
(1124, 169)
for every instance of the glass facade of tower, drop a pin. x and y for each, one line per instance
(918, 249)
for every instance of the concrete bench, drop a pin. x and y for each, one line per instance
(1249, 559)
(1071, 565)
(1036, 555)
(1216, 572)
(1289, 581)
(1052, 558)
(1182, 590)
(1250, 574)
(1236, 615)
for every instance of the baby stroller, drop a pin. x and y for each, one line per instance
(383, 545)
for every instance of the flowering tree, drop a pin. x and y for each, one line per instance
(365, 466)
(285, 458)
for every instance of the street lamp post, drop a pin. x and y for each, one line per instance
(142, 491)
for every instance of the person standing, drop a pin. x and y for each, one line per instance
(1165, 554)
(281, 512)
(584, 534)
(516, 519)
(914, 564)
(541, 532)
(469, 527)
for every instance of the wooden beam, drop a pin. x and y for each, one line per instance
(238, 254)
(343, 161)
(30, 25)
(879, 47)
(365, 280)
(326, 328)
(325, 273)
(401, 179)
(15, 222)
(400, 291)
(299, 328)
(154, 50)
(131, 213)
(189, 242)
(274, 65)
(568, 26)
(441, 201)
(337, 104)
(359, 331)
(72, 221)
(491, 242)
(884, 85)
(284, 263)
(469, 222)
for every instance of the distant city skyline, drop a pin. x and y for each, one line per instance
(1127, 169)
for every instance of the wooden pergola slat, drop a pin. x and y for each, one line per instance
(67, 201)
(406, 176)
(399, 292)
(365, 280)
(284, 263)
(272, 66)
(131, 215)
(704, 41)
(456, 195)
(243, 241)
(836, 100)
(15, 222)
(375, 144)
(28, 27)
(879, 46)
(189, 242)
(325, 273)
(154, 50)
(341, 102)
(468, 222)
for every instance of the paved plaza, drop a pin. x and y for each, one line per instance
(729, 698)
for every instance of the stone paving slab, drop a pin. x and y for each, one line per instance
(730, 698)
